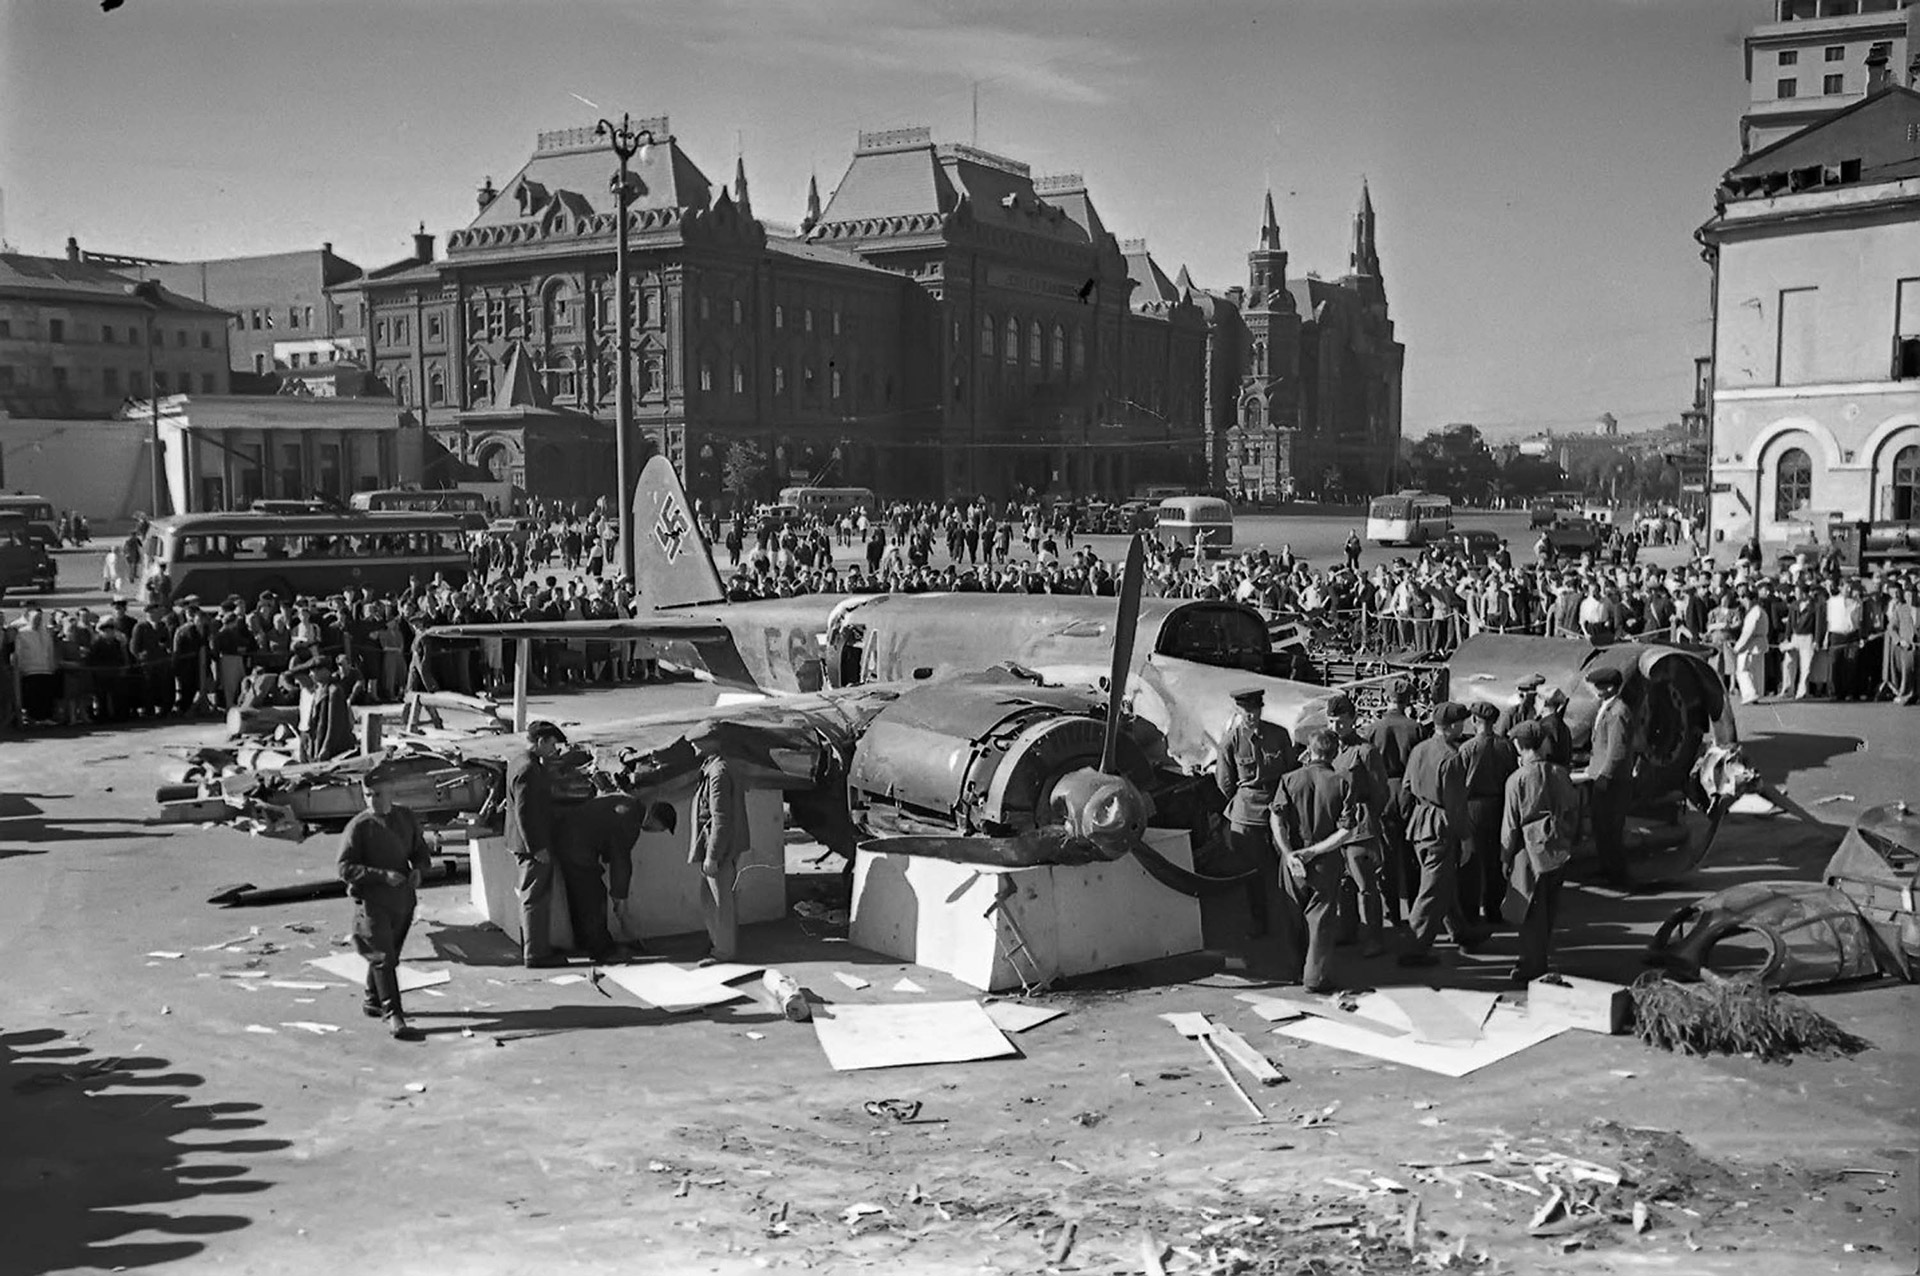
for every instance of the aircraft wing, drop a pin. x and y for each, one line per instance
(697, 639)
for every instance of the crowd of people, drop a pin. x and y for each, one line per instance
(1798, 627)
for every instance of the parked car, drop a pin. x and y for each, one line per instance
(1474, 546)
(1572, 539)
(24, 560)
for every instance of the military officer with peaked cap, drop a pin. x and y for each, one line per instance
(1254, 754)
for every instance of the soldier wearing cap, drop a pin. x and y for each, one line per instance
(1610, 771)
(1394, 735)
(1526, 709)
(1254, 754)
(530, 827)
(1363, 903)
(1313, 820)
(1441, 834)
(594, 854)
(1557, 744)
(1538, 811)
(1489, 759)
(382, 856)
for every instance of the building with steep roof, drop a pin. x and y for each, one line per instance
(1815, 403)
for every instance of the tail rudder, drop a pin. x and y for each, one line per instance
(672, 559)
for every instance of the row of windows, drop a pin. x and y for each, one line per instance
(60, 378)
(1793, 484)
(1833, 53)
(1041, 354)
(1829, 86)
(110, 335)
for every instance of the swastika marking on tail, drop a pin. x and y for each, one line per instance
(671, 528)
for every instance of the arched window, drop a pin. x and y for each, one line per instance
(1010, 343)
(436, 387)
(1035, 355)
(1906, 484)
(1059, 363)
(561, 311)
(1079, 353)
(1252, 414)
(1792, 483)
(986, 336)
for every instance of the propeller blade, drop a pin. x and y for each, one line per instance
(1029, 850)
(1126, 622)
(1185, 880)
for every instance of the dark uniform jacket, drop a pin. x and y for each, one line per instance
(1253, 756)
(1437, 789)
(719, 815)
(1612, 763)
(1360, 762)
(373, 843)
(1394, 735)
(1525, 711)
(1310, 802)
(1558, 745)
(1489, 760)
(529, 825)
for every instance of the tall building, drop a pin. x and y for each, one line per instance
(1812, 60)
(1815, 404)
(77, 339)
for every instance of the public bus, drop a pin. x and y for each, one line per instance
(1204, 522)
(1408, 518)
(470, 505)
(41, 523)
(828, 502)
(214, 556)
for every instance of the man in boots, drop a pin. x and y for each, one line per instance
(382, 857)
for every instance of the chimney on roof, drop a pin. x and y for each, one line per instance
(422, 244)
(73, 248)
(1879, 68)
(326, 247)
(487, 194)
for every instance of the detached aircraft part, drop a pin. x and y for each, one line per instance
(1857, 922)
(246, 894)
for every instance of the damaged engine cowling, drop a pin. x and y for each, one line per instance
(977, 758)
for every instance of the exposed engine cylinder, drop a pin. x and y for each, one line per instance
(966, 759)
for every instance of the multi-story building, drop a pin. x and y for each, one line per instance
(77, 339)
(1812, 60)
(279, 302)
(1815, 247)
(944, 323)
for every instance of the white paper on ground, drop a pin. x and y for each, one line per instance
(1380, 1006)
(857, 1037)
(352, 967)
(852, 981)
(725, 972)
(1507, 1031)
(308, 1025)
(907, 985)
(567, 979)
(300, 985)
(1015, 1016)
(1449, 1016)
(670, 988)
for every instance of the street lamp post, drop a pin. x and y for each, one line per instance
(627, 142)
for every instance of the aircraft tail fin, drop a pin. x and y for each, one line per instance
(672, 559)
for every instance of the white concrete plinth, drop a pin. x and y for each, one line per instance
(666, 889)
(1074, 919)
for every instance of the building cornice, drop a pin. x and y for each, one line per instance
(1824, 390)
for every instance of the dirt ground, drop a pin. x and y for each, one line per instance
(148, 1120)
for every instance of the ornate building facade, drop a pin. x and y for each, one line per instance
(946, 323)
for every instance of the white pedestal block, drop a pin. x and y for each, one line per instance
(1074, 919)
(666, 889)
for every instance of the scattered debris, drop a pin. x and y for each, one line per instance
(1088, 1119)
(907, 985)
(893, 1109)
(1734, 1016)
(852, 981)
(167, 956)
(262, 1029)
(416, 1087)
(1642, 1220)
(1197, 1027)
(567, 979)
(1015, 1016)
(1833, 797)
(854, 1213)
(308, 1025)
(1064, 1246)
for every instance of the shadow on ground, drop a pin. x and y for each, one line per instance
(99, 1151)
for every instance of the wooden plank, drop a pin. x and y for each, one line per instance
(1241, 1051)
(1592, 1005)
(1189, 1024)
(196, 811)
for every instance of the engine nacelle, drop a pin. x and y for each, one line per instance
(959, 757)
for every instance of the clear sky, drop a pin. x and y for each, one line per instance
(1538, 165)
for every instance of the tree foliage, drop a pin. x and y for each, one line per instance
(742, 471)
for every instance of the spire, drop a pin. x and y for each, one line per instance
(812, 218)
(1365, 257)
(740, 199)
(1269, 225)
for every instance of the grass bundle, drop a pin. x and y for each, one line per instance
(1734, 1016)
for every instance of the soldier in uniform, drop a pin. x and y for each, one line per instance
(1489, 759)
(1610, 771)
(1539, 787)
(1312, 818)
(1254, 754)
(1393, 736)
(1556, 737)
(594, 855)
(1364, 897)
(1526, 710)
(530, 839)
(1441, 833)
(382, 856)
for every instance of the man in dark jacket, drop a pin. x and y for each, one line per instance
(1254, 754)
(594, 853)
(1610, 769)
(1537, 791)
(382, 855)
(1441, 833)
(530, 839)
(1312, 814)
(1489, 759)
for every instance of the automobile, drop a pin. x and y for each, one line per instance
(1136, 516)
(1572, 539)
(24, 560)
(1474, 546)
(511, 528)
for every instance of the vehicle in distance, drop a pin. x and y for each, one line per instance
(1408, 518)
(1204, 522)
(24, 561)
(214, 556)
(1572, 539)
(829, 502)
(1475, 546)
(469, 505)
(38, 510)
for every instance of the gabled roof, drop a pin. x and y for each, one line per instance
(891, 180)
(24, 275)
(1875, 133)
(572, 171)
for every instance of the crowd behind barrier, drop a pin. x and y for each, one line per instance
(1797, 629)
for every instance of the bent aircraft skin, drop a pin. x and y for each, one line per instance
(1014, 667)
